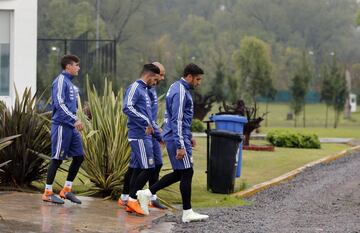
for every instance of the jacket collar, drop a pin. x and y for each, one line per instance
(186, 84)
(142, 83)
(66, 74)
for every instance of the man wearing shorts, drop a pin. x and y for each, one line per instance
(156, 150)
(141, 129)
(179, 142)
(65, 126)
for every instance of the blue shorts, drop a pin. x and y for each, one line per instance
(142, 155)
(65, 142)
(186, 162)
(157, 152)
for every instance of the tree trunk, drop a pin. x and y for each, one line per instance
(246, 138)
(304, 119)
(200, 111)
(267, 107)
(202, 105)
(336, 119)
(326, 116)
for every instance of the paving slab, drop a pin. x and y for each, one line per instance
(26, 212)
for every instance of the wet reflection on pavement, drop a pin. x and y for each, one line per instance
(29, 213)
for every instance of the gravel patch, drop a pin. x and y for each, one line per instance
(323, 198)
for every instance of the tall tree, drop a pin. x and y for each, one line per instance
(355, 82)
(326, 93)
(334, 90)
(305, 74)
(116, 15)
(254, 64)
(340, 91)
(298, 91)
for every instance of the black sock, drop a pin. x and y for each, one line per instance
(127, 179)
(140, 181)
(185, 187)
(53, 167)
(74, 167)
(155, 177)
(166, 181)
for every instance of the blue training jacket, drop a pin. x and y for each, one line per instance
(64, 100)
(137, 106)
(178, 113)
(154, 103)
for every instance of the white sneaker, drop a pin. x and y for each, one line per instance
(191, 216)
(144, 200)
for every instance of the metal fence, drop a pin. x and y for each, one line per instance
(98, 60)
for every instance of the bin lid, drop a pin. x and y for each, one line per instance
(227, 117)
(226, 134)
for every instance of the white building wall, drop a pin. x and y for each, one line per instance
(23, 45)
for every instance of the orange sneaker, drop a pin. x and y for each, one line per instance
(122, 202)
(49, 196)
(66, 193)
(135, 207)
(127, 209)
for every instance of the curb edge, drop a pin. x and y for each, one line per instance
(290, 175)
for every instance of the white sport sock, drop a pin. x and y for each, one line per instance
(68, 184)
(153, 197)
(48, 187)
(124, 197)
(148, 192)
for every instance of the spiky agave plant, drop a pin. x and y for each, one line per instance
(23, 118)
(107, 151)
(4, 142)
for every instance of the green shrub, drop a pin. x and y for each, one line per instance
(4, 142)
(23, 118)
(197, 126)
(107, 151)
(293, 140)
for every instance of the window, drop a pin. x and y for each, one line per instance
(4, 53)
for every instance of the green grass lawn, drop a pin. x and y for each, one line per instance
(257, 167)
(315, 117)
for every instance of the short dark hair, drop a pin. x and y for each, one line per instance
(192, 69)
(68, 59)
(150, 68)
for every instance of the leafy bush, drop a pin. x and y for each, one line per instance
(25, 166)
(4, 142)
(107, 151)
(293, 140)
(197, 126)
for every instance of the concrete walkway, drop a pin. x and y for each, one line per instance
(25, 212)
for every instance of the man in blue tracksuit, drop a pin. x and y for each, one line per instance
(156, 150)
(141, 129)
(65, 127)
(179, 142)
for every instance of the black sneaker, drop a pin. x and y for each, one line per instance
(156, 204)
(67, 194)
(49, 196)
